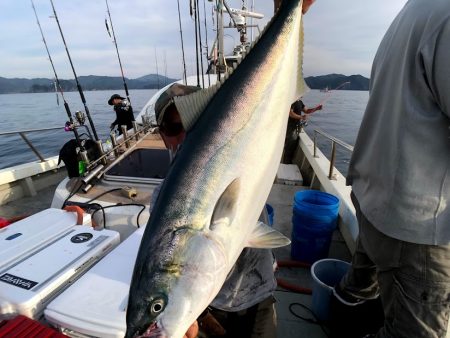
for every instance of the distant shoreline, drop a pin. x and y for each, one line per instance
(154, 81)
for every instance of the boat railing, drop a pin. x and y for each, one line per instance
(23, 135)
(334, 141)
(138, 133)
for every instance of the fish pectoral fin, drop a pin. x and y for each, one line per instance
(225, 208)
(265, 237)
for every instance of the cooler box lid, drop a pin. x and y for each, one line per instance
(96, 304)
(28, 235)
(26, 286)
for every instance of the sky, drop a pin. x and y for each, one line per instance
(340, 36)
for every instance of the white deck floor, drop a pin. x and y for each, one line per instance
(281, 199)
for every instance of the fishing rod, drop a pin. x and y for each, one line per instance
(157, 72)
(206, 40)
(200, 43)
(117, 49)
(182, 44)
(331, 92)
(56, 92)
(195, 12)
(57, 83)
(80, 90)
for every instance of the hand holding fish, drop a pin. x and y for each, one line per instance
(192, 332)
(306, 5)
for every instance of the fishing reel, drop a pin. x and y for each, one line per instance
(81, 117)
(68, 126)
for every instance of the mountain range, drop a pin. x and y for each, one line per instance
(153, 81)
(90, 82)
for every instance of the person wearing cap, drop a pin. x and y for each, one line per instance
(245, 306)
(124, 112)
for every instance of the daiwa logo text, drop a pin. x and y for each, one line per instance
(17, 281)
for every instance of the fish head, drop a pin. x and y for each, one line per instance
(175, 284)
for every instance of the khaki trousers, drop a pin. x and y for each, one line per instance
(413, 281)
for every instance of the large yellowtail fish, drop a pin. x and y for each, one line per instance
(209, 204)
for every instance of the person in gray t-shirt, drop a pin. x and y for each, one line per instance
(400, 177)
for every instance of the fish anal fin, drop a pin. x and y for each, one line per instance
(265, 237)
(225, 208)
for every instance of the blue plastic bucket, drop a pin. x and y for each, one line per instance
(314, 219)
(271, 213)
(326, 274)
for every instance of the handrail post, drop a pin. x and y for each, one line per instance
(315, 145)
(334, 141)
(31, 146)
(333, 159)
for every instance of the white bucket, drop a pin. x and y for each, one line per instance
(326, 274)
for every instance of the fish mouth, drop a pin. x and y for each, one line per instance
(153, 331)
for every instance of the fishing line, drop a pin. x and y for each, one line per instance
(57, 83)
(117, 49)
(80, 90)
(332, 92)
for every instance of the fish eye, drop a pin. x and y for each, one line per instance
(157, 306)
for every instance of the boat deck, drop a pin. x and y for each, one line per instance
(281, 199)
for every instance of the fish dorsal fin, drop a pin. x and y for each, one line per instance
(265, 237)
(225, 208)
(302, 87)
(191, 106)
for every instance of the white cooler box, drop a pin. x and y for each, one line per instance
(96, 304)
(24, 237)
(27, 285)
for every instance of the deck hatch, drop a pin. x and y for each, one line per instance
(141, 165)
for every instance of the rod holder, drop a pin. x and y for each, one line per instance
(125, 136)
(86, 188)
(114, 144)
(84, 157)
(136, 132)
(93, 174)
(101, 151)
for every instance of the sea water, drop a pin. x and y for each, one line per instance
(40, 110)
(341, 116)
